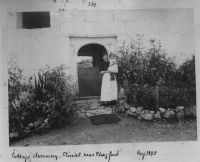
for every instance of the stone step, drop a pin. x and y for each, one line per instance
(90, 107)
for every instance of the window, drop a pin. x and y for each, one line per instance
(33, 20)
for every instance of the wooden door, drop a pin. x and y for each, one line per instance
(89, 80)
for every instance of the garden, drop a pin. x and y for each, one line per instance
(42, 103)
(149, 81)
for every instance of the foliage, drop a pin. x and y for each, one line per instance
(145, 67)
(46, 104)
(176, 96)
(139, 95)
(19, 97)
(141, 69)
(54, 94)
(186, 73)
(160, 67)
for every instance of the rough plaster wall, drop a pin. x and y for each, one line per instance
(51, 45)
(37, 47)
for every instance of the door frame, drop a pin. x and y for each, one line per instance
(78, 41)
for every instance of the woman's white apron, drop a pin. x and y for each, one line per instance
(109, 87)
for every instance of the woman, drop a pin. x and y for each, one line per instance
(109, 83)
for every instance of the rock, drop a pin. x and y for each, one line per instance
(139, 110)
(123, 107)
(31, 125)
(162, 110)
(13, 135)
(133, 109)
(152, 112)
(89, 114)
(135, 115)
(179, 108)
(157, 115)
(38, 123)
(81, 114)
(180, 112)
(120, 110)
(190, 111)
(146, 115)
(130, 113)
(169, 114)
(180, 115)
(126, 106)
(97, 111)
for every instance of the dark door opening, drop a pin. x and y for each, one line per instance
(89, 77)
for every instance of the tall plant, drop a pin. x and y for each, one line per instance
(52, 88)
(141, 69)
(46, 104)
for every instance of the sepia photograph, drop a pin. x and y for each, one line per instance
(101, 76)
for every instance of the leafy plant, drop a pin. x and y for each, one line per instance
(46, 104)
(142, 69)
(52, 88)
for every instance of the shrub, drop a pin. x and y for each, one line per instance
(145, 66)
(53, 91)
(176, 96)
(47, 104)
(141, 70)
(19, 98)
(139, 95)
(187, 73)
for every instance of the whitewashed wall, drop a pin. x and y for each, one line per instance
(38, 47)
(35, 48)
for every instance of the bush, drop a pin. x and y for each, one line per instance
(145, 66)
(186, 73)
(19, 98)
(139, 95)
(54, 95)
(176, 96)
(47, 104)
(141, 70)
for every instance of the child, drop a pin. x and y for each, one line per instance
(112, 66)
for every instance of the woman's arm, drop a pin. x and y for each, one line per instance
(113, 69)
(103, 72)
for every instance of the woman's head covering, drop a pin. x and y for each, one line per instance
(112, 55)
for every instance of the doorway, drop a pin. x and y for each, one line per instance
(89, 77)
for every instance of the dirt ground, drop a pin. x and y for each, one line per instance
(127, 130)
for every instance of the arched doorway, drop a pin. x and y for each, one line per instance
(89, 77)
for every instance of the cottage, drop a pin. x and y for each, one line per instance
(53, 38)
(38, 38)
